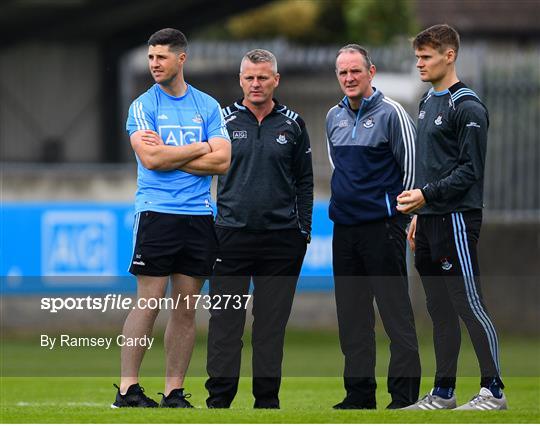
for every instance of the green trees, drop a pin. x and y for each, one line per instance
(377, 22)
(371, 22)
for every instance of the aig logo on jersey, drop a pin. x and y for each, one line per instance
(421, 115)
(180, 135)
(369, 123)
(281, 139)
(239, 134)
(438, 120)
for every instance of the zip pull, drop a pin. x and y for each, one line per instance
(356, 120)
(354, 127)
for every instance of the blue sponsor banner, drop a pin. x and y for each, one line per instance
(87, 247)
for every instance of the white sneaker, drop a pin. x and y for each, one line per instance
(433, 402)
(485, 401)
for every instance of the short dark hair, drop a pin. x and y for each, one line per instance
(356, 48)
(439, 37)
(176, 40)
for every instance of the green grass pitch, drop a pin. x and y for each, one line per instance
(311, 385)
(304, 400)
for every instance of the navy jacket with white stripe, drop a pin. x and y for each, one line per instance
(372, 152)
(452, 144)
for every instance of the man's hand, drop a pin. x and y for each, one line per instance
(215, 162)
(411, 233)
(152, 138)
(157, 156)
(149, 137)
(409, 201)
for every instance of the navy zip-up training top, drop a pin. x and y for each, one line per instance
(373, 154)
(269, 185)
(452, 143)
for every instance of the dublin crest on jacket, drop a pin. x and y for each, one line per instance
(281, 139)
(369, 123)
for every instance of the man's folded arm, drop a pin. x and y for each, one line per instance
(216, 162)
(154, 155)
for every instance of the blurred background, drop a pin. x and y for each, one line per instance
(69, 70)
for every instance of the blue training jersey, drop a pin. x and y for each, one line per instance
(193, 117)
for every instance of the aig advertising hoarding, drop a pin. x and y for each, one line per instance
(64, 247)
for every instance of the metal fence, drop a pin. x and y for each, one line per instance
(509, 82)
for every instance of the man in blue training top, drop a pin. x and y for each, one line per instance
(371, 147)
(180, 140)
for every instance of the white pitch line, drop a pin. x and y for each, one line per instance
(56, 404)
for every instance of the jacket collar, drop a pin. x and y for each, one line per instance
(367, 103)
(452, 89)
(277, 106)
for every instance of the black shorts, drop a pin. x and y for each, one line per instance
(167, 244)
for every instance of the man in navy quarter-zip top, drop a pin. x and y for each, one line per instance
(263, 226)
(371, 147)
(447, 202)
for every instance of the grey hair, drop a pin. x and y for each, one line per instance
(257, 56)
(358, 49)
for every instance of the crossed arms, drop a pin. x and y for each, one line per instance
(198, 158)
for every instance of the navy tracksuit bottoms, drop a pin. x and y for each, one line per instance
(369, 264)
(446, 258)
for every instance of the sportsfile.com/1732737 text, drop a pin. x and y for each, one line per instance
(119, 302)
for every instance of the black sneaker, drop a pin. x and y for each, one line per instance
(266, 405)
(350, 405)
(215, 403)
(134, 397)
(176, 399)
(397, 405)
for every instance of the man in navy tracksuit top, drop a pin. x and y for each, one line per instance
(263, 226)
(451, 151)
(371, 147)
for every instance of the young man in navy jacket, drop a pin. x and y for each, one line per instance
(451, 144)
